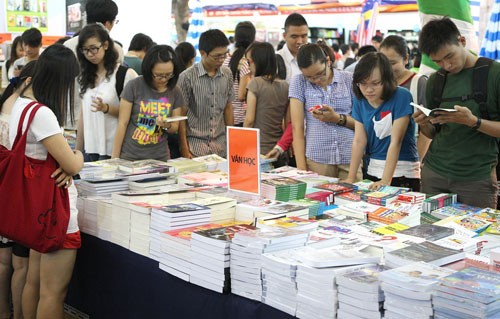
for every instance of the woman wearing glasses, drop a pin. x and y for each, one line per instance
(100, 99)
(146, 103)
(384, 127)
(321, 97)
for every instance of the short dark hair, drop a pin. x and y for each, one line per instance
(296, 20)
(89, 70)
(364, 70)
(354, 46)
(377, 38)
(32, 37)
(185, 51)
(140, 42)
(366, 49)
(101, 11)
(264, 59)
(397, 43)
(309, 54)
(53, 80)
(437, 33)
(344, 48)
(212, 39)
(160, 54)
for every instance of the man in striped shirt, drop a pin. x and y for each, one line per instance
(207, 88)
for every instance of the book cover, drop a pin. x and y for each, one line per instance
(474, 282)
(418, 276)
(180, 208)
(222, 234)
(429, 232)
(426, 251)
(337, 188)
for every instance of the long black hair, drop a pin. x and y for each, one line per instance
(53, 82)
(244, 35)
(13, 51)
(89, 70)
(264, 59)
(185, 52)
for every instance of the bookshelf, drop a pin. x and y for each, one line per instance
(411, 37)
(329, 35)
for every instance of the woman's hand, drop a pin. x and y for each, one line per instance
(162, 122)
(377, 185)
(62, 178)
(326, 114)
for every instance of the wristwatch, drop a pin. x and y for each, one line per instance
(476, 126)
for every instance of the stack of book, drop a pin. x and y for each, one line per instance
(172, 217)
(246, 250)
(323, 196)
(339, 255)
(101, 169)
(360, 210)
(428, 232)
(87, 219)
(175, 255)
(145, 166)
(183, 165)
(379, 198)
(248, 211)
(312, 204)
(279, 288)
(283, 189)
(104, 221)
(292, 222)
(408, 290)
(266, 164)
(317, 291)
(215, 178)
(151, 182)
(360, 295)
(213, 162)
(102, 187)
(223, 209)
(350, 197)
(456, 209)
(491, 215)
(468, 293)
(210, 257)
(337, 188)
(412, 197)
(438, 201)
(426, 251)
(293, 172)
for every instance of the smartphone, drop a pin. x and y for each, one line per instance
(315, 108)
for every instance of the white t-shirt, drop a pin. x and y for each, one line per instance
(292, 66)
(98, 128)
(44, 125)
(6, 76)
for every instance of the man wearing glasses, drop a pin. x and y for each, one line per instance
(207, 88)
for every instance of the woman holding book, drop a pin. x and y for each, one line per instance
(52, 85)
(395, 48)
(267, 97)
(384, 128)
(147, 103)
(98, 90)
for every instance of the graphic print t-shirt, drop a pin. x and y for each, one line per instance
(143, 140)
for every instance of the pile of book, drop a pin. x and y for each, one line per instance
(171, 217)
(360, 295)
(313, 205)
(468, 293)
(145, 166)
(210, 257)
(408, 290)
(222, 208)
(186, 165)
(283, 189)
(426, 251)
(438, 201)
(101, 169)
(246, 250)
(213, 162)
(249, 211)
(102, 187)
(214, 178)
(152, 182)
(412, 197)
(455, 209)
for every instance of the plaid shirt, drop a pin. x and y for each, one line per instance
(326, 143)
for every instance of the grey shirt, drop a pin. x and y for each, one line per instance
(143, 139)
(206, 99)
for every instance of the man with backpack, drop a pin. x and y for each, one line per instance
(463, 154)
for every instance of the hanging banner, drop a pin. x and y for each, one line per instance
(25, 14)
(243, 155)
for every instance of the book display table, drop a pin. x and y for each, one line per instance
(110, 281)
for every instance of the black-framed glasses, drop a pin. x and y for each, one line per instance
(167, 76)
(319, 76)
(91, 50)
(220, 56)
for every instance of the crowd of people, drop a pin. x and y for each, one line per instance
(339, 111)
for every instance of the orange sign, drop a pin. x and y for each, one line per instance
(5, 37)
(243, 155)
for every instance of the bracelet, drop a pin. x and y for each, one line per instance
(476, 126)
(107, 110)
(342, 120)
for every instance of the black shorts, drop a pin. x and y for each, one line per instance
(20, 251)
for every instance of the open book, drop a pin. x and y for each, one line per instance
(429, 112)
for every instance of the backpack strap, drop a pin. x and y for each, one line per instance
(437, 90)
(120, 79)
(480, 85)
(414, 87)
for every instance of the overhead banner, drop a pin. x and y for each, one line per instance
(243, 155)
(25, 14)
(75, 16)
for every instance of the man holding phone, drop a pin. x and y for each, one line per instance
(32, 43)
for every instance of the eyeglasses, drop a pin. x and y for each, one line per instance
(373, 85)
(319, 76)
(91, 50)
(219, 56)
(167, 76)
